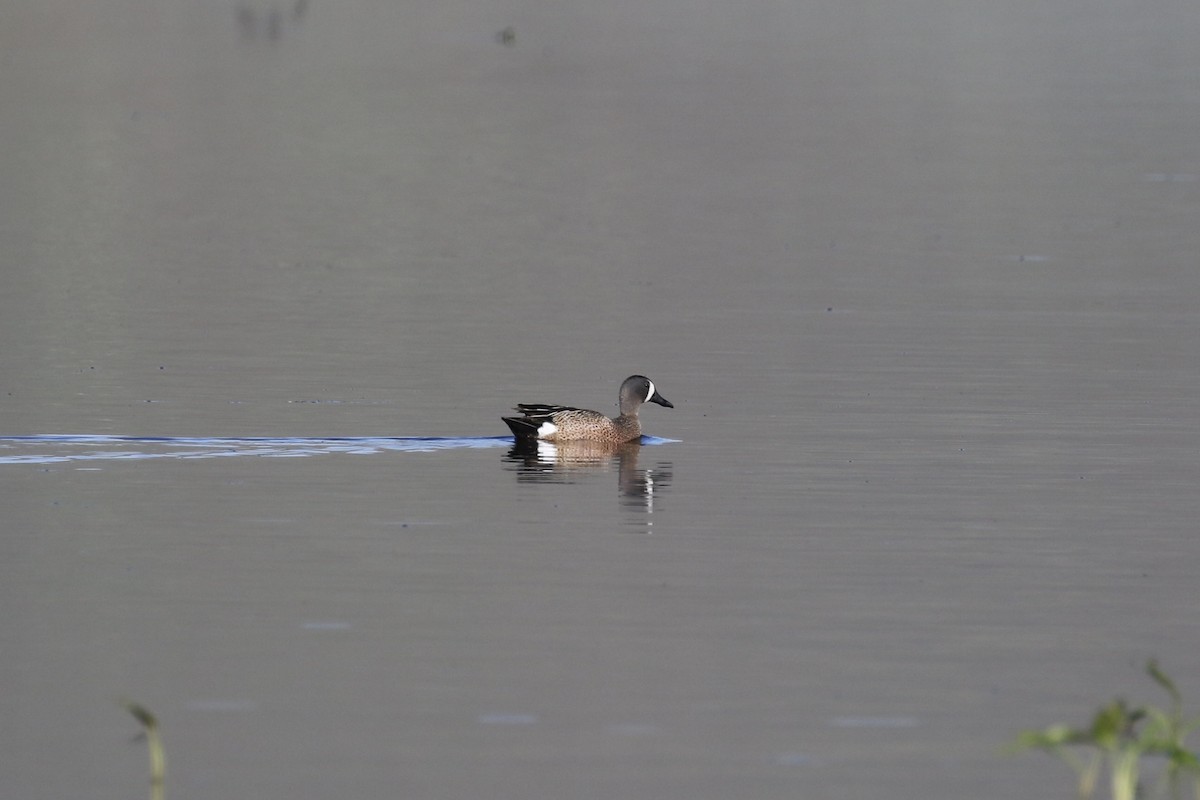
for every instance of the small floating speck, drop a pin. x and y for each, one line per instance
(1171, 177)
(508, 719)
(633, 729)
(874, 722)
(221, 705)
(326, 625)
(794, 759)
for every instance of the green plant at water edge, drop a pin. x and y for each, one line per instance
(158, 761)
(1119, 737)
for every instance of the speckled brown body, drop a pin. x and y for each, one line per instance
(568, 424)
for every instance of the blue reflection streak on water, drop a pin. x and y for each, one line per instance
(51, 448)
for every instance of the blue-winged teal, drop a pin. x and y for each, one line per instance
(567, 424)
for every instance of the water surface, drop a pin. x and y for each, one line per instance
(920, 280)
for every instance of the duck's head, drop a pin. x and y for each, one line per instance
(638, 389)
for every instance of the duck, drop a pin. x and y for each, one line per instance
(549, 423)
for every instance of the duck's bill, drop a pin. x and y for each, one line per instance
(662, 401)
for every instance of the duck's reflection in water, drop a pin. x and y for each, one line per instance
(571, 462)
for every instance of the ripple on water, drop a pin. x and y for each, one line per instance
(58, 448)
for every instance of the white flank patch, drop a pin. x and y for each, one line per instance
(547, 429)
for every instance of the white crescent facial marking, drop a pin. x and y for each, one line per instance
(547, 429)
(651, 392)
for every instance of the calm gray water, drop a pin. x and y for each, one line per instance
(920, 279)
